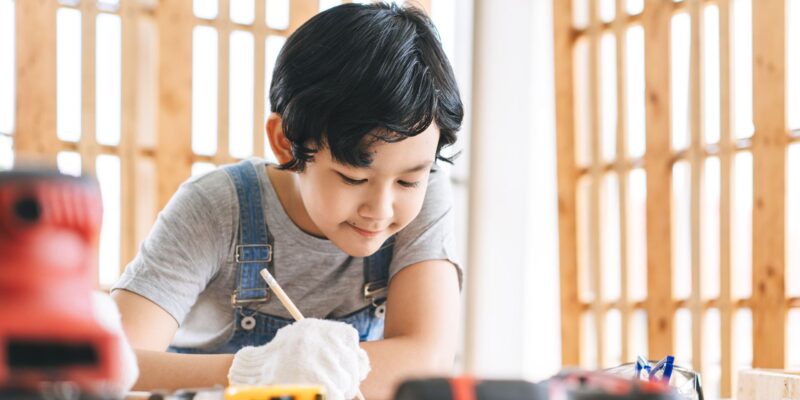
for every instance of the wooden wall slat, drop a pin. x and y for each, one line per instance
(224, 27)
(259, 80)
(769, 303)
(174, 142)
(87, 145)
(769, 186)
(727, 351)
(622, 177)
(300, 12)
(696, 162)
(156, 97)
(596, 182)
(658, 167)
(35, 132)
(146, 126)
(567, 182)
(128, 144)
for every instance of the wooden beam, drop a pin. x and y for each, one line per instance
(696, 163)
(595, 183)
(146, 126)
(128, 148)
(622, 177)
(259, 80)
(87, 145)
(658, 167)
(769, 186)
(127, 143)
(300, 12)
(727, 350)
(173, 157)
(567, 183)
(35, 137)
(627, 20)
(223, 27)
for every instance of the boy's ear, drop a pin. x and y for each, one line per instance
(280, 145)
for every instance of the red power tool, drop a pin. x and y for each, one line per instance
(49, 225)
(469, 388)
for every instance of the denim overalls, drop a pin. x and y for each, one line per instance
(254, 251)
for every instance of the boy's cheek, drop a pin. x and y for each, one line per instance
(323, 191)
(334, 205)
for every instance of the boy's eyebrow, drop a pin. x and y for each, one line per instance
(420, 167)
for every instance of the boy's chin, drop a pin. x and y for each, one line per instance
(358, 248)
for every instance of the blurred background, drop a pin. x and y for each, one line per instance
(611, 157)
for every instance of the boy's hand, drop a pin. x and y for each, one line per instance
(311, 351)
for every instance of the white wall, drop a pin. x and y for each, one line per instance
(454, 20)
(513, 327)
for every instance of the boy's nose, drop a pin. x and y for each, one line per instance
(378, 207)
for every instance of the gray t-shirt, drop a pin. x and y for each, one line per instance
(186, 263)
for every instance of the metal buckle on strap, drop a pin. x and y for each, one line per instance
(375, 289)
(236, 301)
(242, 247)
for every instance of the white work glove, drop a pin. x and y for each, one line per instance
(107, 315)
(312, 352)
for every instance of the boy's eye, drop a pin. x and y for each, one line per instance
(351, 181)
(408, 184)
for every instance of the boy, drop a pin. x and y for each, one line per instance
(355, 223)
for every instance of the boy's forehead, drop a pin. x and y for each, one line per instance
(408, 152)
(407, 155)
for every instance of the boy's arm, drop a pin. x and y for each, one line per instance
(422, 323)
(171, 371)
(149, 330)
(421, 330)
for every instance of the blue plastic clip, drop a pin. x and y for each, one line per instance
(642, 364)
(666, 366)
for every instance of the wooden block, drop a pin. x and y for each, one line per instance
(768, 384)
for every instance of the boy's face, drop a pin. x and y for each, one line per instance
(359, 208)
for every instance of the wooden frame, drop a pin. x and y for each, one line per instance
(155, 144)
(595, 182)
(769, 189)
(622, 172)
(571, 330)
(726, 189)
(35, 133)
(769, 303)
(176, 64)
(658, 167)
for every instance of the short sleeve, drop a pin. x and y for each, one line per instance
(182, 253)
(430, 236)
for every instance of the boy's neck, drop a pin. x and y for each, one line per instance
(286, 187)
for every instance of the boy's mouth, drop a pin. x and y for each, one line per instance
(364, 232)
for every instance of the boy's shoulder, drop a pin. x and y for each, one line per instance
(211, 184)
(216, 182)
(216, 188)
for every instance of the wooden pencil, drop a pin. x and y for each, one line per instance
(289, 304)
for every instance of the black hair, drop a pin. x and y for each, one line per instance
(360, 73)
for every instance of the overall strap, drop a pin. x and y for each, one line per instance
(376, 273)
(254, 250)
